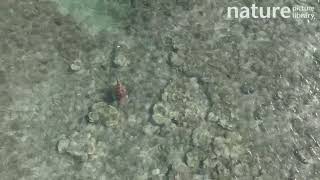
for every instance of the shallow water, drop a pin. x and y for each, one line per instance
(209, 97)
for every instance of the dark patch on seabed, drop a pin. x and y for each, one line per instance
(208, 98)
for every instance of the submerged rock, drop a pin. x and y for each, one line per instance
(192, 159)
(150, 129)
(180, 171)
(241, 169)
(155, 172)
(121, 60)
(63, 144)
(105, 114)
(78, 145)
(176, 60)
(76, 65)
(228, 146)
(183, 103)
(247, 88)
(221, 119)
(201, 137)
(162, 115)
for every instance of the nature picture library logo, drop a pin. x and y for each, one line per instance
(296, 12)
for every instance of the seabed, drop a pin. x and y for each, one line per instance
(209, 98)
